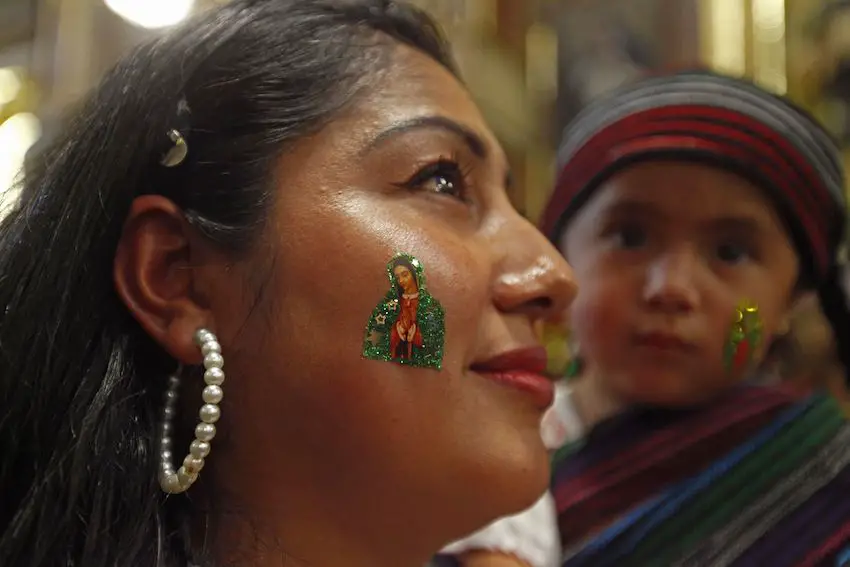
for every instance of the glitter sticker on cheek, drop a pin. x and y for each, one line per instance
(744, 339)
(408, 325)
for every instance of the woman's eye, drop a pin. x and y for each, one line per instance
(732, 253)
(447, 183)
(630, 237)
(443, 177)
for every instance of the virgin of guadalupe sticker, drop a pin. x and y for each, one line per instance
(408, 325)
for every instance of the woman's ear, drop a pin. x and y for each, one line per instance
(153, 275)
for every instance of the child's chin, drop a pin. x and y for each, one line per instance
(663, 390)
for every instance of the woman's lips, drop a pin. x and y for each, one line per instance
(520, 369)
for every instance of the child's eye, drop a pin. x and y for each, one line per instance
(732, 253)
(629, 237)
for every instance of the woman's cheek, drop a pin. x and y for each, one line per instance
(458, 278)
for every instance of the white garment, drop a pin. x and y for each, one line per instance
(532, 535)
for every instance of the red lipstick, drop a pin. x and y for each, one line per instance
(521, 369)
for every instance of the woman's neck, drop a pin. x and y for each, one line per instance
(246, 543)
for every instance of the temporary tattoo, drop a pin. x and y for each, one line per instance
(576, 364)
(574, 367)
(408, 325)
(744, 339)
(559, 349)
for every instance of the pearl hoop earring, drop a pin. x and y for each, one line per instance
(175, 482)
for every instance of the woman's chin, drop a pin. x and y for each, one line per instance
(506, 481)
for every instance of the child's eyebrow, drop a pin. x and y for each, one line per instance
(632, 207)
(744, 224)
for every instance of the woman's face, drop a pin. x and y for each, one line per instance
(665, 252)
(389, 455)
(405, 279)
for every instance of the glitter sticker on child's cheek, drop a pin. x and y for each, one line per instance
(744, 339)
(408, 325)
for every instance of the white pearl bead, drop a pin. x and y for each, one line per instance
(173, 382)
(214, 376)
(209, 413)
(170, 397)
(205, 432)
(170, 483)
(210, 347)
(166, 428)
(165, 443)
(199, 449)
(213, 360)
(193, 465)
(203, 335)
(212, 394)
(185, 477)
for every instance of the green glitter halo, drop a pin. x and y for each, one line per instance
(382, 330)
(745, 338)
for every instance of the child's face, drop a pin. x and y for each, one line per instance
(663, 253)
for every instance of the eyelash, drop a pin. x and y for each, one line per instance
(457, 177)
(746, 252)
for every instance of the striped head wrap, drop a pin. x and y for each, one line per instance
(704, 117)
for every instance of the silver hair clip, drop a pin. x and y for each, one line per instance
(178, 151)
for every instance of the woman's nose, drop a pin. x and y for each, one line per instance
(532, 277)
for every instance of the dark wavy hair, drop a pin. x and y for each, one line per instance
(80, 382)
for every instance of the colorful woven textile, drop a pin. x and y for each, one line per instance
(758, 478)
